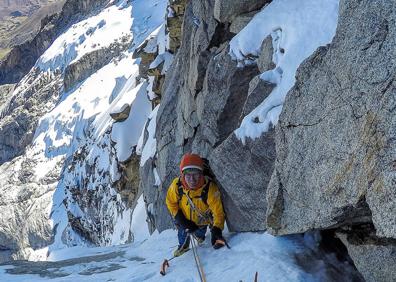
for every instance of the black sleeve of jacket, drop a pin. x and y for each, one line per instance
(184, 222)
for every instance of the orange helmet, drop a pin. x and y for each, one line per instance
(191, 161)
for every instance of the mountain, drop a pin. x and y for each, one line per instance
(20, 20)
(290, 101)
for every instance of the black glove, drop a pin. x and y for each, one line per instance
(184, 222)
(217, 235)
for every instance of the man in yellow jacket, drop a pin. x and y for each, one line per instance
(194, 202)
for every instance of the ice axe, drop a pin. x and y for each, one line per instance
(164, 265)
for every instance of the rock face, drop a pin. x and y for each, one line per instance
(95, 197)
(335, 139)
(33, 97)
(20, 20)
(227, 10)
(174, 23)
(5, 93)
(203, 98)
(244, 175)
(375, 258)
(24, 220)
(93, 61)
(22, 57)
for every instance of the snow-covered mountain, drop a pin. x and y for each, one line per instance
(281, 96)
(74, 176)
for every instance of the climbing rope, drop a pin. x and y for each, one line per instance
(196, 257)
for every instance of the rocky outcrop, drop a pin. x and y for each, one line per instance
(22, 57)
(174, 23)
(32, 98)
(227, 10)
(5, 93)
(24, 220)
(97, 198)
(341, 136)
(93, 61)
(244, 176)
(335, 139)
(203, 98)
(122, 114)
(374, 258)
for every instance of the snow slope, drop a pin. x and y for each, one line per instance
(105, 92)
(274, 258)
(79, 123)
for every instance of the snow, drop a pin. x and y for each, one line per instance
(126, 134)
(165, 58)
(119, 233)
(97, 32)
(81, 117)
(274, 258)
(57, 130)
(150, 147)
(297, 28)
(147, 14)
(139, 225)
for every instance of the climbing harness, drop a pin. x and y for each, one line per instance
(202, 216)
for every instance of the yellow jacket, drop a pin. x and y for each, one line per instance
(214, 204)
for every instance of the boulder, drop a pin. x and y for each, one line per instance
(227, 10)
(264, 61)
(374, 259)
(336, 134)
(241, 21)
(122, 114)
(244, 170)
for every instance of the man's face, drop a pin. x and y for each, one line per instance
(192, 177)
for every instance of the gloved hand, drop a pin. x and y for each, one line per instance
(217, 238)
(185, 223)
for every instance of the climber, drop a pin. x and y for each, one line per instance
(194, 202)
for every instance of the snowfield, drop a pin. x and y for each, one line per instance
(274, 258)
